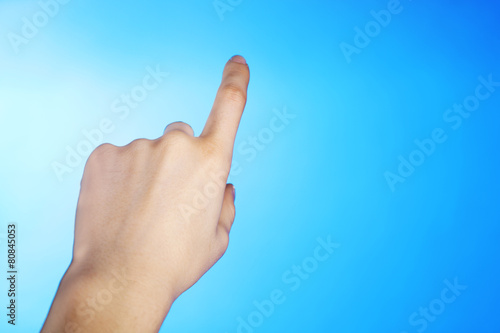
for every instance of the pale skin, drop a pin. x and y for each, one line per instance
(152, 218)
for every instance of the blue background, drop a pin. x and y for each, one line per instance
(323, 174)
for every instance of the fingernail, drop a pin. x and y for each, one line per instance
(234, 193)
(239, 59)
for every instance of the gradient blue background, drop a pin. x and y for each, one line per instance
(322, 175)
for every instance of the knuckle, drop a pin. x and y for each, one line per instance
(234, 93)
(211, 149)
(102, 152)
(99, 161)
(214, 155)
(174, 141)
(174, 137)
(138, 144)
(136, 151)
(180, 125)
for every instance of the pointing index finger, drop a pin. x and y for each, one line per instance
(224, 119)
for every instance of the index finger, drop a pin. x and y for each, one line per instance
(224, 119)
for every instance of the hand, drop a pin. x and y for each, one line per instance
(152, 218)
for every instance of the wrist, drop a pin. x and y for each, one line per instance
(112, 299)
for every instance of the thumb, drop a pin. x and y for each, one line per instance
(228, 210)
